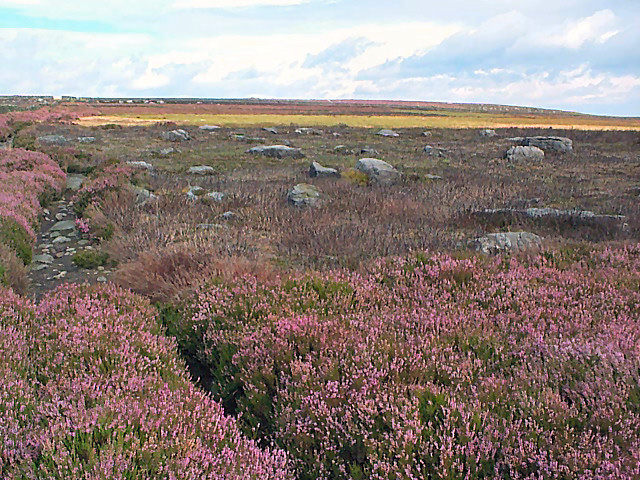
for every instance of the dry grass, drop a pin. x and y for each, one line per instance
(13, 272)
(449, 119)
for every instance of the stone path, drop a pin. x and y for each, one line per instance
(57, 242)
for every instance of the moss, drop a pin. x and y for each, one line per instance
(90, 259)
(356, 176)
(13, 235)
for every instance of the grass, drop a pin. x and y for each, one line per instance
(447, 119)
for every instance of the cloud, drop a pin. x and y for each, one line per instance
(576, 54)
(226, 4)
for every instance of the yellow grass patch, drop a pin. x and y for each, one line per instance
(440, 120)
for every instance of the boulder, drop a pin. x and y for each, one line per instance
(45, 259)
(201, 170)
(309, 131)
(317, 170)
(57, 140)
(178, 135)
(369, 151)
(75, 181)
(342, 149)
(573, 217)
(303, 195)
(209, 128)
(63, 226)
(495, 243)
(550, 144)
(378, 171)
(487, 132)
(270, 130)
(524, 154)
(426, 134)
(143, 196)
(387, 133)
(277, 151)
(86, 139)
(215, 196)
(141, 164)
(195, 192)
(228, 215)
(167, 151)
(433, 151)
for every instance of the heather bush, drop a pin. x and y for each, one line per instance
(91, 388)
(25, 178)
(108, 177)
(432, 366)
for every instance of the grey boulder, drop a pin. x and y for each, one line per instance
(495, 243)
(388, 133)
(178, 135)
(550, 144)
(317, 170)
(303, 195)
(57, 140)
(378, 171)
(487, 132)
(524, 154)
(277, 151)
(75, 181)
(201, 170)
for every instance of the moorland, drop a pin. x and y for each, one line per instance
(288, 289)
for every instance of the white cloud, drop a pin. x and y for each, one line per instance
(229, 4)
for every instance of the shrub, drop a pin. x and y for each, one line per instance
(356, 176)
(433, 367)
(14, 235)
(89, 387)
(13, 273)
(90, 258)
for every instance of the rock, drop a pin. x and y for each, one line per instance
(63, 226)
(336, 134)
(209, 128)
(101, 279)
(524, 154)
(431, 151)
(83, 242)
(143, 196)
(487, 132)
(45, 258)
(426, 134)
(343, 150)
(515, 139)
(38, 267)
(195, 192)
(46, 211)
(303, 195)
(369, 151)
(270, 130)
(215, 196)
(59, 255)
(61, 239)
(60, 216)
(309, 131)
(317, 170)
(101, 268)
(86, 139)
(210, 226)
(378, 171)
(428, 176)
(201, 170)
(573, 217)
(178, 135)
(388, 133)
(75, 181)
(228, 215)
(549, 144)
(141, 164)
(495, 243)
(57, 140)
(277, 151)
(167, 151)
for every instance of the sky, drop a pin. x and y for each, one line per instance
(578, 55)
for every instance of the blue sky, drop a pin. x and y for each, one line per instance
(581, 55)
